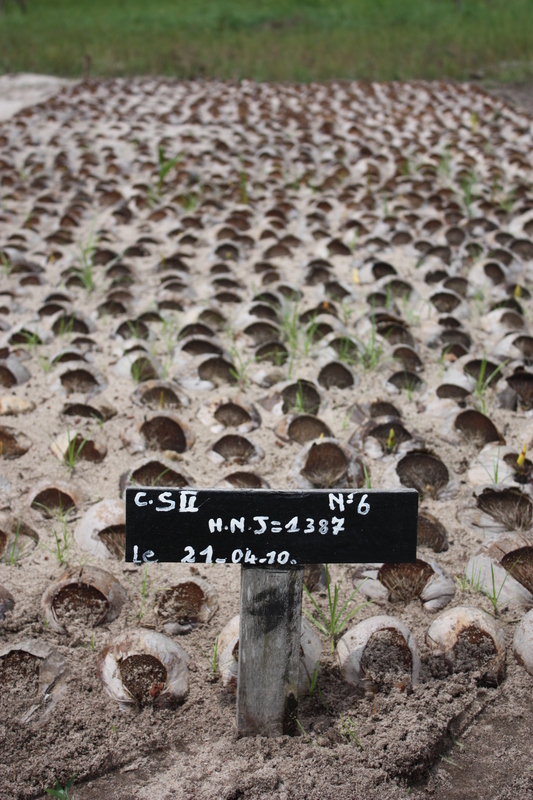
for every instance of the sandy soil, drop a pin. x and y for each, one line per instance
(284, 200)
(24, 89)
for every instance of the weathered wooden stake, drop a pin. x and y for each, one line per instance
(269, 651)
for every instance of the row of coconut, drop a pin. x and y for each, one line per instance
(145, 667)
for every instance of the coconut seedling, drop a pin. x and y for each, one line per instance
(393, 583)
(225, 412)
(144, 668)
(36, 668)
(497, 509)
(431, 532)
(477, 428)
(379, 653)
(324, 463)
(158, 395)
(469, 640)
(384, 436)
(13, 444)
(164, 432)
(424, 471)
(102, 530)
(186, 605)
(235, 449)
(301, 428)
(88, 595)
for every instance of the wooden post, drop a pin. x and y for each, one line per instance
(269, 651)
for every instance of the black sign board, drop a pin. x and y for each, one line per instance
(266, 527)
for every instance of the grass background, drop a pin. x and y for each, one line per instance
(292, 40)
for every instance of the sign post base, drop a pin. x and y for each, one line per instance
(269, 651)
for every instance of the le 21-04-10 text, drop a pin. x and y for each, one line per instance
(270, 527)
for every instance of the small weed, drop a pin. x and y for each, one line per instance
(93, 642)
(492, 594)
(62, 792)
(483, 383)
(309, 336)
(66, 326)
(456, 742)
(467, 186)
(290, 327)
(312, 681)
(213, 659)
(99, 420)
(190, 201)
(32, 340)
(7, 266)
(304, 731)
(62, 540)
(449, 761)
(86, 272)
(15, 554)
(62, 545)
(169, 331)
(371, 350)
(152, 197)
(347, 311)
(445, 163)
(349, 731)
(495, 474)
(479, 300)
(240, 367)
(335, 621)
(347, 353)
(445, 352)
(86, 276)
(408, 314)
(165, 165)
(464, 581)
(143, 591)
(73, 451)
(368, 482)
(506, 202)
(45, 363)
(410, 387)
(299, 402)
(139, 369)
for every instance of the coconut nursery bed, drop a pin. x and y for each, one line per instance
(251, 286)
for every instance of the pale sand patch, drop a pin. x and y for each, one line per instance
(26, 89)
